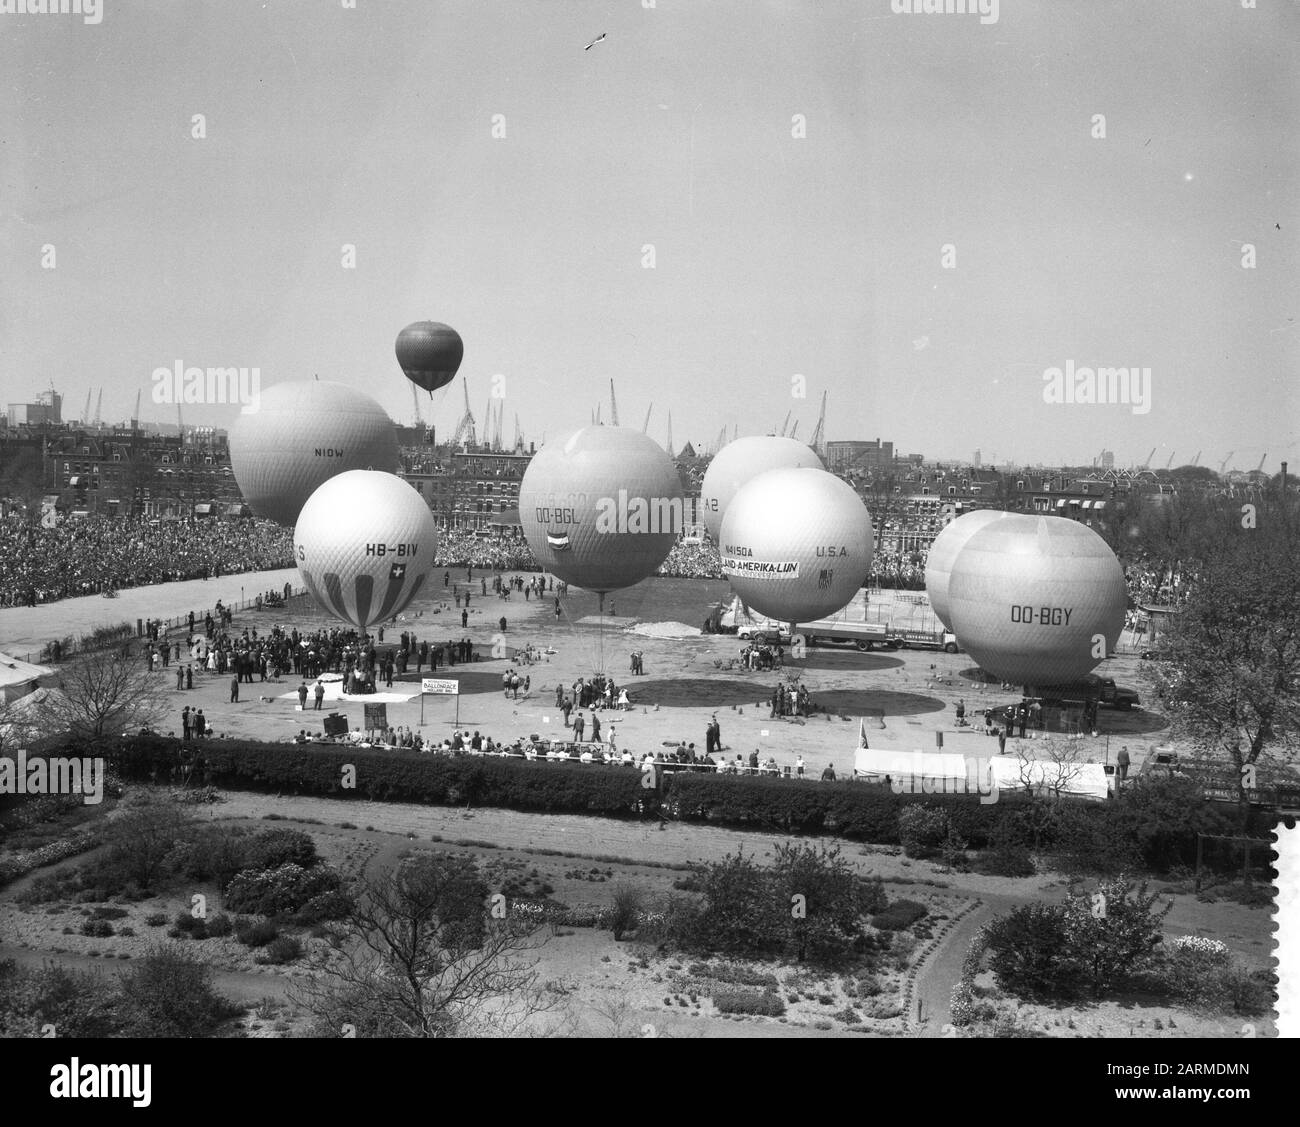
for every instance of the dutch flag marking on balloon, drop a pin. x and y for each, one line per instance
(558, 540)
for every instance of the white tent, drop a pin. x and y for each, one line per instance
(1085, 780)
(917, 772)
(18, 677)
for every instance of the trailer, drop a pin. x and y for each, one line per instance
(863, 635)
(926, 640)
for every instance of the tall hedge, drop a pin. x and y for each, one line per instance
(1157, 827)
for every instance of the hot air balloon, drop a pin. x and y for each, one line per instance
(939, 561)
(1036, 600)
(364, 544)
(796, 544)
(299, 435)
(601, 508)
(741, 460)
(429, 353)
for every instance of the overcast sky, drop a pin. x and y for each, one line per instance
(774, 255)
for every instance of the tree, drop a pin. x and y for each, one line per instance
(142, 840)
(103, 696)
(169, 993)
(1029, 952)
(1112, 931)
(419, 955)
(1236, 646)
(1049, 772)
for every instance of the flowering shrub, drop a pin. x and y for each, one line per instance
(11, 868)
(974, 957)
(288, 889)
(1209, 949)
(962, 1006)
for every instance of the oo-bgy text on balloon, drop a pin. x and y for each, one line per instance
(1044, 616)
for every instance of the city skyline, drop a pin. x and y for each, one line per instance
(917, 216)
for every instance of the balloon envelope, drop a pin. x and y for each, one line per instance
(1037, 600)
(364, 544)
(943, 553)
(741, 460)
(429, 353)
(601, 507)
(796, 544)
(299, 435)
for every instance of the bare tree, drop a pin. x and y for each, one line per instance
(423, 954)
(1049, 773)
(102, 696)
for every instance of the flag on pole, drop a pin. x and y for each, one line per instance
(862, 733)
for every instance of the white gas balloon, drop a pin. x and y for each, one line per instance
(364, 544)
(738, 462)
(796, 544)
(943, 553)
(1037, 600)
(299, 435)
(601, 508)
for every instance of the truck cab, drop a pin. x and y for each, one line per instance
(1093, 687)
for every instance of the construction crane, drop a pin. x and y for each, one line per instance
(1147, 464)
(721, 440)
(645, 427)
(1171, 459)
(519, 435)
(465, 428)
(794, 429)
(1224, 463)
(99, 402)
(1197, 460)
(1260, 468)
(670, 434)
(817, 442)
(785, 424)
(85, 411)
(613, 406)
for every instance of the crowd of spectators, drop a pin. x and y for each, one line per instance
(92, 555)
(95, 555)
(1156, 585)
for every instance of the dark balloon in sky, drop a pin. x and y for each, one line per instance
(429, 353)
